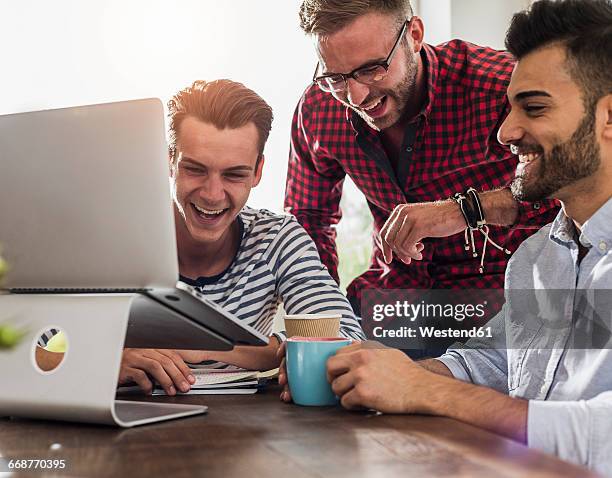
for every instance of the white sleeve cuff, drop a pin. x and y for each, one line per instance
(560, 428)
(455, 367)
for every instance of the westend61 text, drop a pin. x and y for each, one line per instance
(432, 332)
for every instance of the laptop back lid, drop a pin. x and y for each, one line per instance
(85, 200)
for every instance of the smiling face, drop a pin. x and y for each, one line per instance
(548, 128)
(212, 177)
(367, 40)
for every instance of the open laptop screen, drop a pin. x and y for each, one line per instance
(85, 200)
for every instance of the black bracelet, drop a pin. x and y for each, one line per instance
(467, 210)
(473, 213)
(474, 201)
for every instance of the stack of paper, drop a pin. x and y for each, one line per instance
(218, 382)
(229, 381)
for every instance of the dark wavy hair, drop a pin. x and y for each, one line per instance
(584, 27)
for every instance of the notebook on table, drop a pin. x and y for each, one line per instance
(215, 382)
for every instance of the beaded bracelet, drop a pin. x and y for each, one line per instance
(473, 213)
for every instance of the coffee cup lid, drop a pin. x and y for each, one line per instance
(317, 339)
(312, 316)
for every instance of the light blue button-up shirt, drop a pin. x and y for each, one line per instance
(534, 353)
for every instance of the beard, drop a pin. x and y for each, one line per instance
(566, 163)
(401, 94)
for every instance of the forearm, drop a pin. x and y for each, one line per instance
(250, 357)
(500, 207)
(435, 366)
(479, 406)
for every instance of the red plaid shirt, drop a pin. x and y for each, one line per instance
(450, 146)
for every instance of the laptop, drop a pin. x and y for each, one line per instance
(86, 210)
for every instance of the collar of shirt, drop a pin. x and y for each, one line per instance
(562, 230)
(597, 230)
(430, 64)
(207, 280)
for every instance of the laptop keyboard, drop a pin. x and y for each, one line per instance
(76, 290)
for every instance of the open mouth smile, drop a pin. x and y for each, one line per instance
(375, 108)
(208, 216)
(529, 157)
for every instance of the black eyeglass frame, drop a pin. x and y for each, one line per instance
(385, 64)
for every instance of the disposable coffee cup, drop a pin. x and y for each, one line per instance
(312, 325)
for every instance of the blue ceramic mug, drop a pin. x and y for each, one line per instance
(306, 369)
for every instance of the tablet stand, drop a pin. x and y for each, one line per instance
(82, 388)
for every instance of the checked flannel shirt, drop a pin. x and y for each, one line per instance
(450, 146)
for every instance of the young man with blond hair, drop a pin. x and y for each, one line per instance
(246, 260)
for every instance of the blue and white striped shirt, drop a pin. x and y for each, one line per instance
(277, 262)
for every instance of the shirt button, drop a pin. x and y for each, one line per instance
(409, 149)
(537, 205)
(603, 246)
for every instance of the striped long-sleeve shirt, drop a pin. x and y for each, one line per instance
(277, 262)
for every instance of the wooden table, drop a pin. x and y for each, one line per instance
(258, 436)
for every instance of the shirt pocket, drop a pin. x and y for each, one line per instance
(519, 340)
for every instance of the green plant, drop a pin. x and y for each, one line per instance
(354, 239)
(9, 335)
(3, 267)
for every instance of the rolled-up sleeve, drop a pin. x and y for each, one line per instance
(455, 365)
(481, 361)
(576, 431)
(304, 283)
(535, 215)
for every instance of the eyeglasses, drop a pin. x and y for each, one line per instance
(367, 75)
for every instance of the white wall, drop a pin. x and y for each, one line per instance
(69, 52)
(483, 22)
(436, 15)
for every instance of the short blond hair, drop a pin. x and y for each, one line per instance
(222, 103)
(325, 17)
